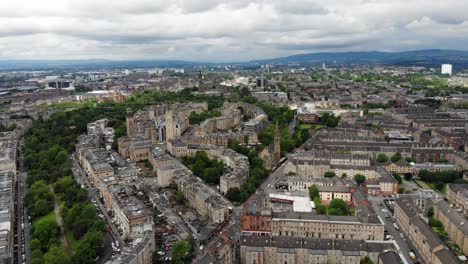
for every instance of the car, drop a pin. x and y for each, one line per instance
(384, 210)
(161, 253)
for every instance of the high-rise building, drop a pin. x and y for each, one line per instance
(262, 82)
(446, 69)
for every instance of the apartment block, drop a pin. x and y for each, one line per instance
(428, 244)
(296, 224)
(454, 223)
(306, 250)
(127, 209)
(457, 194)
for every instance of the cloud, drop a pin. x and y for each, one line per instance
(224, 30)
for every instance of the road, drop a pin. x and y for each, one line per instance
(81, 178)
(22, 219)
(404, 248)
(272, 179)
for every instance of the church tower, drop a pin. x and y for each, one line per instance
(277, 145)
(130, 122)
(154, 140)
(170, 131)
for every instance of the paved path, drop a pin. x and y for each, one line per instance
(58, 218)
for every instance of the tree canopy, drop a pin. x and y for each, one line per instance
(359, 178)
(382, 158)
(181, 251)
(314, 192)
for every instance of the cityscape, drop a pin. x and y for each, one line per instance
(134, 145)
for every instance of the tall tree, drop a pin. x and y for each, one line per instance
(57, 255)
(181, 250)
(314, 192)
(359, 178)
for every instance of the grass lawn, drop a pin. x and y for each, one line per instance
(433, 186)
(71, 240)
(423, 185)
(305, 126)
(48, 217)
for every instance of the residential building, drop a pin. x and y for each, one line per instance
(128, 211)
(457, 194)
(454, 223)
(296, 224)
(428, 244)
(305, 250)
(7, 216)
(446, 69)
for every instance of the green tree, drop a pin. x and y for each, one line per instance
(35, 243)
(46, 231)
(382, 158)
(57, 255)
(430, 212)
(41, 208)
(63, 184)
(234, 194)
(319, 207)
(408, 176)
(180, 197)
(211, 175)
(88, 247)
(37, 257)
(314, 192)
(329, 174)
(396, 157)
(359, 178)
(435, 223)
(439, 186)
(61, 157)
(180, 251)
(397, 177)
(366, 260)
(338, 207)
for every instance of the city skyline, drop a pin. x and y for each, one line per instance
(222, 31)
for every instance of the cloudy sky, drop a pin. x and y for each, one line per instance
(224, 30)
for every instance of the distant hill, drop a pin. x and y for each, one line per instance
(433, 57)
(418, 57)
(88, 64)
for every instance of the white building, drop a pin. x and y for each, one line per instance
(446, 69)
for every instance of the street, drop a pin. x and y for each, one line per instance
(268, 185)
(81, 178)
(22, 219)
(403, 245)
